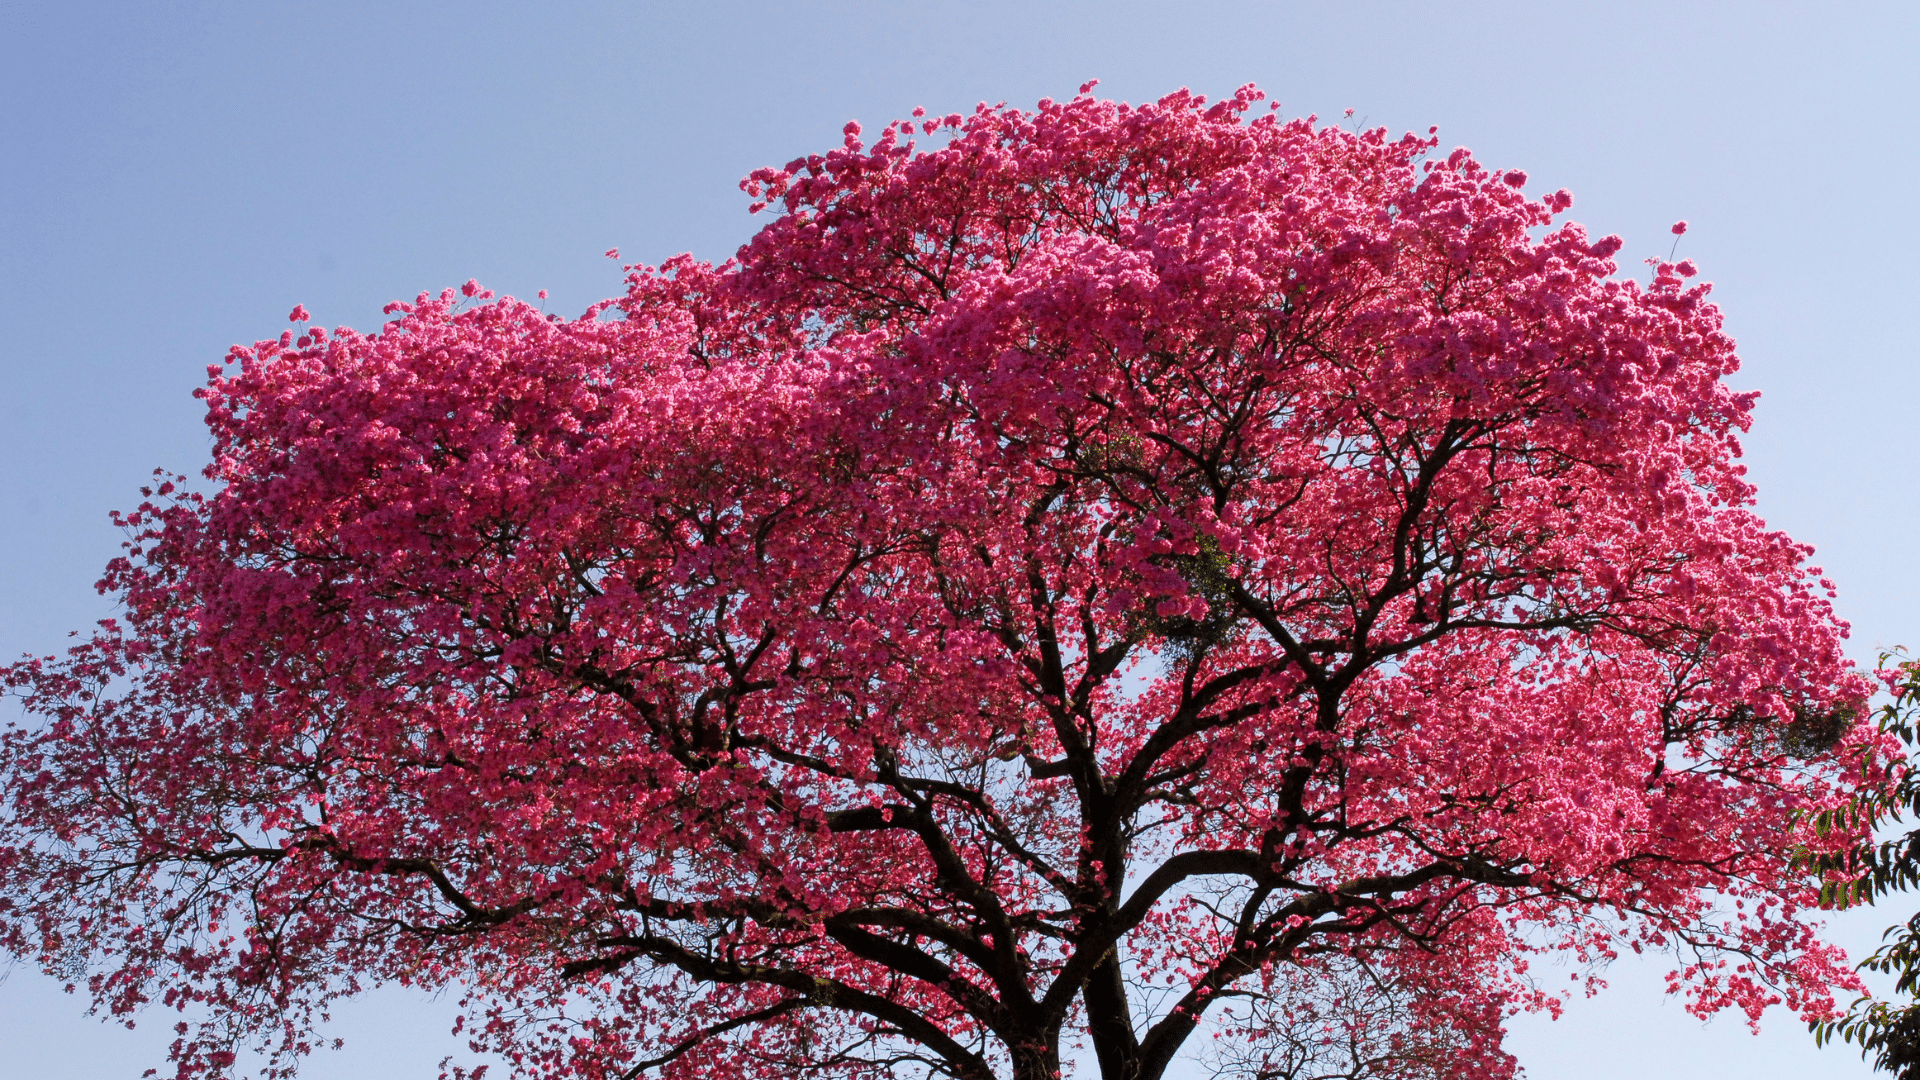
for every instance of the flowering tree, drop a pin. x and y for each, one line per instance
(1109, 575)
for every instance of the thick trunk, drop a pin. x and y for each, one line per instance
(1037, 1057)
(1110, 1025)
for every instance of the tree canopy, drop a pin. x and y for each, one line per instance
(1110, 573)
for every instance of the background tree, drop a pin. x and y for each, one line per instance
(1887, 1031)
(1344, 1016)
(1118, 561)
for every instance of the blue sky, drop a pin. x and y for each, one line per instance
(175, 177)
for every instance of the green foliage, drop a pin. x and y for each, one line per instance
(1887, 1031)
(1209, 575)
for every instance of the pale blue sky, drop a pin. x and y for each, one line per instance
(174, 177)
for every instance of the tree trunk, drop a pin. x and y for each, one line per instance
(1037, 1057)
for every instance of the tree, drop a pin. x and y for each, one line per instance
(1346, 1016)
(1111, 573)
(1888, 1031)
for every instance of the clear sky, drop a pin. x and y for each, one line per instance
(175, 176)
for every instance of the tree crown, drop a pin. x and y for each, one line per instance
(1114, 570)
